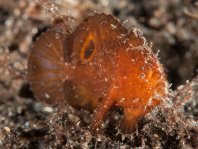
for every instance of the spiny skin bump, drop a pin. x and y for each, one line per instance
(100, 65)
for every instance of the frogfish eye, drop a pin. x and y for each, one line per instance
(88, 49)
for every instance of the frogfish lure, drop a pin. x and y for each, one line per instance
(98, 66)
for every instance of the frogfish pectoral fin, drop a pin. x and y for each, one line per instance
(131, 119)
(99, 115)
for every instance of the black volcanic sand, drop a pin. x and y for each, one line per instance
(27, 123)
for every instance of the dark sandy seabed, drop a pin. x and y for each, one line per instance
(172, 27)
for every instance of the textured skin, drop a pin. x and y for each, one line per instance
(100, 65)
